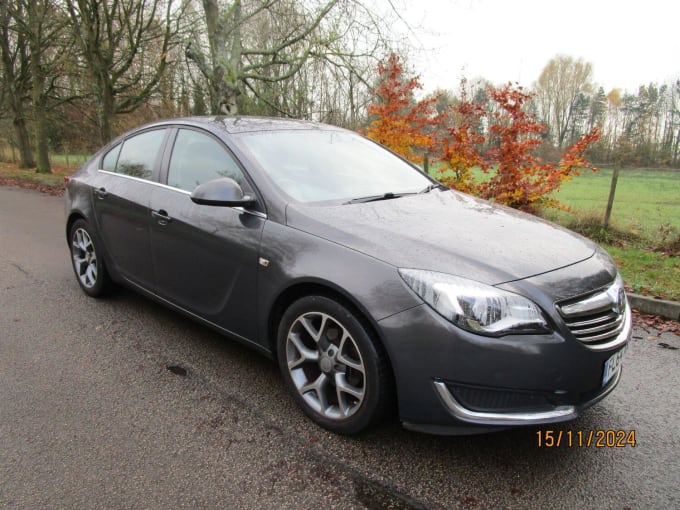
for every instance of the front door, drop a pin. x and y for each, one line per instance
(205, 257)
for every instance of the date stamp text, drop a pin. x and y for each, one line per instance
(586, 438)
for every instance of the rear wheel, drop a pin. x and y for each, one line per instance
(88, 263)
(331, 365)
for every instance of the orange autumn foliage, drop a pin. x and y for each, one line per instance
(505, 150)
(401, 123)
(459, 146)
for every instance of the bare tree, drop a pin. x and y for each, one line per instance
(124, 45)
(672, 130)
(43, 26)
(16, 82)
(278, 56)
(38, 32)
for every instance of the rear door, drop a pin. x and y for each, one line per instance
(205, 257)
(121, 203)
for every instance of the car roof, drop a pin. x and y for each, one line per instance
(245, 124)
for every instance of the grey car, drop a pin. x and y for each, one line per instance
(374, 287)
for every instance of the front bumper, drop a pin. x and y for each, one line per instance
(558, 414)
(450, 381)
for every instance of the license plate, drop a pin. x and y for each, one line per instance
(612, 366)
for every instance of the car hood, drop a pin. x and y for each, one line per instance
(446, 231)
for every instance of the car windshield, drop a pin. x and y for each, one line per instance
(321, 165)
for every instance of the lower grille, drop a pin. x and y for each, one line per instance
(598, 318)
(496, 400)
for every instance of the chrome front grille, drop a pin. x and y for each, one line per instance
(599, 318)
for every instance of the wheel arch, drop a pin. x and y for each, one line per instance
(77, 214)
(308, 288)
(72, 218)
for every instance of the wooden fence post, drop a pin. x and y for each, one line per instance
(612, 192)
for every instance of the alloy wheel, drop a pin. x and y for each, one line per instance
(84, 258)
(325, 365)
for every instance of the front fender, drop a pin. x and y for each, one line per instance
(293, 257)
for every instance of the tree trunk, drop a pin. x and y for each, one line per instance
(14, 62)
(226, 56)
(38, 83)
(23, 139)
(105, 110)
(40, 120)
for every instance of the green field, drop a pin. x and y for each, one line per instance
(58, 160)
(644, 237)
(69, 160)
(645, 200)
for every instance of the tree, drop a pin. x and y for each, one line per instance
(125, 46)
(500, 138)
(401, 123)
(42, 24)
(461, 142)
(598, 109)
(287, 57)
(558, 90)
(671, 136)
(38, 32)
(16, 82)
(231, 64)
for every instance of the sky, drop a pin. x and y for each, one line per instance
(628, 42)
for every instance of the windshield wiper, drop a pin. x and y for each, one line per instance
(374, 198)
(436, 185)
(389, 195)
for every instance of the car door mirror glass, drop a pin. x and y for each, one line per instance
(222, 192)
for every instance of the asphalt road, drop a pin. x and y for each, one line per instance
(91, 417)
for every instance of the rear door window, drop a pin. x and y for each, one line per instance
(139, 154)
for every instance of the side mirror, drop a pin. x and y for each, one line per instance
(222, 192)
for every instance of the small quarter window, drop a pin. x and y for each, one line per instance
(109, 161)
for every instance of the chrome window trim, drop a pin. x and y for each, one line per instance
(259, 214)
(139, 179)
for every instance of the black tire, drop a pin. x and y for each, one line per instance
(87, 260)
(351, 373)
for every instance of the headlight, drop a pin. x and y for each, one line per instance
(475, 306)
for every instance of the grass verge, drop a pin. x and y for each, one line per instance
(11, 172)
(647, 272)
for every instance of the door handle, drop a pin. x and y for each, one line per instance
(162, 217)
(101, 193)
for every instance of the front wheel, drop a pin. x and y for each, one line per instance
(331, 365)
(88, 263)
